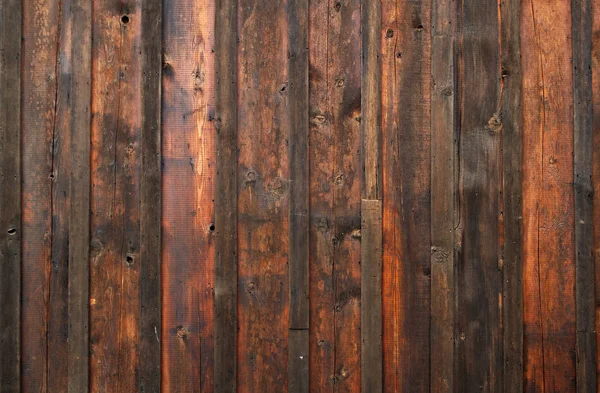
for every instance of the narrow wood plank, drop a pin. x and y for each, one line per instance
(263, 197)
(548, 219)
(41, 30)
(297, 11)
(115, 186)
(596, 170)
(443, 202)
(226, 183)
(298, 361)
(512, 162)
(10, 189)
(583, 194)
(58, 346)
(406, 148)
(188, 196)
(371, 98)
(79, 210)
(479, 277)
(150, 198)
(370, 297)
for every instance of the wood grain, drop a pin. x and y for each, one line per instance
(548, 210)
(188, 197)
(595, 59)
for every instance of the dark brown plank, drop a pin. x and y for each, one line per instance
(10, 189)
(58, 347)
(188, 196)
(115, 186)
(406, 148)
(479, 277)
(263, 197)
(549, 310)
(226, 257)
(79, 211)
(512, 135)
(39, 90)
(370, 297)
(596, 170)
(581, 11)
(298, 361)
(443, 202)
(150, 198)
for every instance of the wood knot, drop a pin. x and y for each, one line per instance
(182, 332)
(495, 122)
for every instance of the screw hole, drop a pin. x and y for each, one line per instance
(212, 227)
(125, 19)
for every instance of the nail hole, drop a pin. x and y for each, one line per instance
(399, 55)
(129, 259)
(12, 231)
(389, 33)
(338, 5)
(420, 27)
(212, 227)
(125, 19)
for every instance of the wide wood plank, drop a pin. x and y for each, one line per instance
(443, 202)
(226, 185)
(479, 278)
(406, 166)
(79, 210)
(583, 195)
(115, 184)
(188, 193)
(548, 211)
(10, 189)
(150, 199)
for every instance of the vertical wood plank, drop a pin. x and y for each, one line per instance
(406, 150)
(512, 161)
(444, 151)
(188, 196)
(226, 254)
(548, 219)
(58, 310)
(263, 197)
(595, 59)
(297, 24)
(41, 30)
(79, 211)
(150, 198)
(479, 278)
(115, 186)
(583, 194)
(512, 196)
(10, 189)
(370, 297)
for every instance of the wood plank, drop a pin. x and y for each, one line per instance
(149, 373)
(39, 90)
(371, 98)
(406, 148)
(10, 189)
(115, 184)
(58, 346)
(512, 161)
(298, 361)
(226, 258)
(226, 254)
(188, 196)
(479, 276)
(263, 197)
(583, 195)
(548, 220)
(79, 210)
(595, 58)
(370, 297)
(444, 162)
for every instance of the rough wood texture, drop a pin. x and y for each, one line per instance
(406, 165)
(10, 189)
(370, 297)
(595, 58)
(188, 197)
(443, 201)
(548, 245)
(479, 277)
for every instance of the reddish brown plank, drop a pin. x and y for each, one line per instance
(115, 230)
(188, 193)
(263, 197)
(595, 59)
(406, 166)
(548, 250)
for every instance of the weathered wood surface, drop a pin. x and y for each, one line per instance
(301, 196)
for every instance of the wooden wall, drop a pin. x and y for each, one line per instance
(256, 196)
